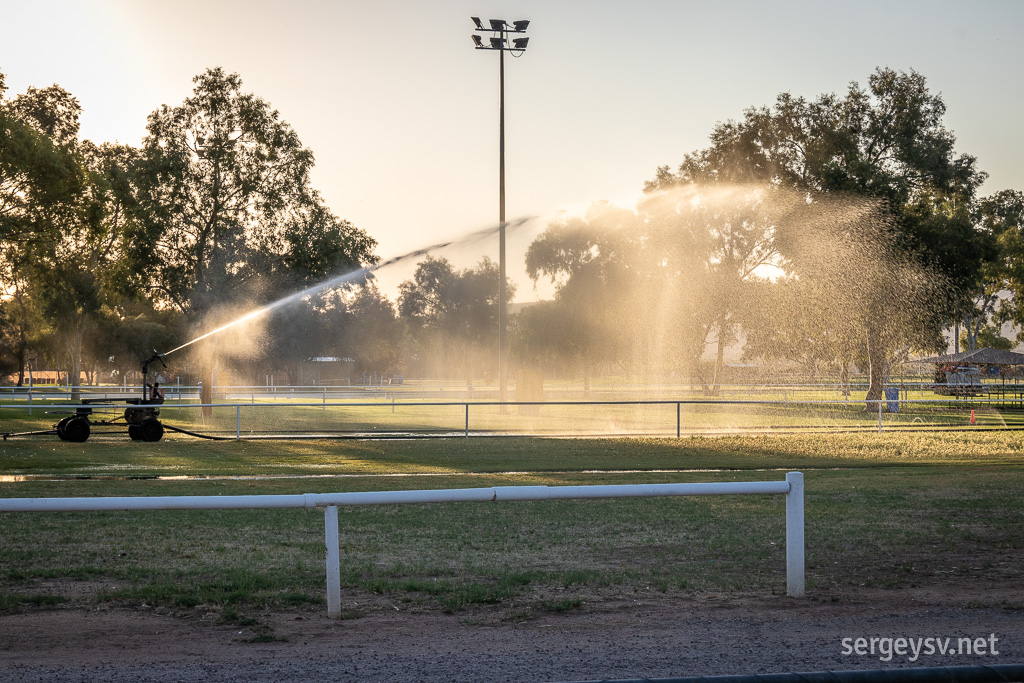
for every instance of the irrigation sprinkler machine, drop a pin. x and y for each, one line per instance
(142, 416)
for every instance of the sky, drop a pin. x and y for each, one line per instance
(402, 113)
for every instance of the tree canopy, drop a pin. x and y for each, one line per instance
(453, 315)
(96, 241)
(839, 231)
(227, 206)
(885, 144)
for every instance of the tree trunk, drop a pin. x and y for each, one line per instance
(22, 344)
(844, 378)
(208, 370)
(21, 364)
(876, 368)
(720, 357)
(75, 370)
(973, 332)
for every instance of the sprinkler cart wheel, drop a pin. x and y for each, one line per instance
(143, 424)
(61, 425)
(151, 429)
(76, 430)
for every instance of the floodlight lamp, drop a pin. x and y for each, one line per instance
(477, 42)
(520, 25)
(497, 43)
(479, 26)
(497, 24)
(520, 43)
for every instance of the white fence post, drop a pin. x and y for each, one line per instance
(795, 535)
(793, 487)
(333, 562)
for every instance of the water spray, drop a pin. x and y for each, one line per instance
(358, 274)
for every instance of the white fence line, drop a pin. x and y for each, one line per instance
(792, 488)
(323, 404)
(414, 386)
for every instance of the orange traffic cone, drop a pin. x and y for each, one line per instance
(972, 418)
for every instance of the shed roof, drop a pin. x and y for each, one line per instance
(979, 357)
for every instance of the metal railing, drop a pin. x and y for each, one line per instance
(988, 390)
(496, 418)
(792, 488)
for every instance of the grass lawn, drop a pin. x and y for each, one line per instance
(933, 510)
(263, 416)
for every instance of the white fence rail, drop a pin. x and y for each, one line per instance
(792, 488)
(664, 425)
(424, 388)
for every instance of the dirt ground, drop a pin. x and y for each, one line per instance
(608, 637)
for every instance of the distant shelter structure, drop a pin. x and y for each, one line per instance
(965, 374)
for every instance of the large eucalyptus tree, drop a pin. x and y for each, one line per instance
(228, 212)
(887, 145)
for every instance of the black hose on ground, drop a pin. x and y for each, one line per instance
(1000, 673)
(197, 434)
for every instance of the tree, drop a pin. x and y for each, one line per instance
(68, 222)
(357, 323)
(999, 288)
(39, 180)
(886, 144)
(224, 189)
(56, 238)
(678, 268)
(125, 330)
(292, 335)
(595, 263)
(986, 337)
(374, 335)
(228, 213)
(38, 175)
(735, 237)
(848, 275)
(453, 315)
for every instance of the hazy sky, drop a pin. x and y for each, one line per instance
(401, 112)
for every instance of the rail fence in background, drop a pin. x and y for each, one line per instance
(391, 416)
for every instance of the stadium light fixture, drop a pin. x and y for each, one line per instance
(499, 42)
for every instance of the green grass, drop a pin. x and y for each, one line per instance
(887, 511)
(10, 602)
(372, 415)
(45, 457)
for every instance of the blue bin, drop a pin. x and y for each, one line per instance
(892, 399)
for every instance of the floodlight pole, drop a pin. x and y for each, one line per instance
(502, 296)
(502, 29)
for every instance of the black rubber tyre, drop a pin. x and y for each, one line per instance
(134, 433)
(151, 429)
(77, 429)
(61, 425)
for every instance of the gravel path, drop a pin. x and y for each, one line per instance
(611, 639)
